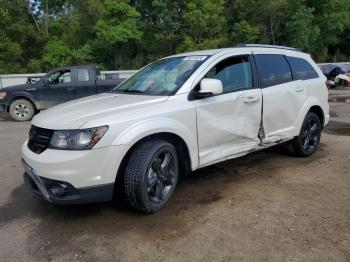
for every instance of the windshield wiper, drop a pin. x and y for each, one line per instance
(131, 91)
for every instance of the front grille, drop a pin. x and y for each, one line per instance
(39, 139)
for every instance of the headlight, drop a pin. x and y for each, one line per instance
(79, 139)
(2, 95)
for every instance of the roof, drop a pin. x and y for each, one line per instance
(200, 52)
(77, 66)
(211, 52)
(73, 67)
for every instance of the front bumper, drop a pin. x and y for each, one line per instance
(41, 188)
(88, 175)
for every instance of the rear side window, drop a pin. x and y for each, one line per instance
(273, 70)
(301, 69)
(83, 75)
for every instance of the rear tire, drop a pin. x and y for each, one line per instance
(22, 110)
(151, 175)
(309, 137)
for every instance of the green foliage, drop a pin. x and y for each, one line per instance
(57, 53)
(271, 16)
(204, 24)
(34, 65)
(82, 55)
(127, 34)
(9, 51)
(118, 23)
(300, 30)
(332, 18)
(161, 22)
(243, 32)
(19, 40)
(117, 27)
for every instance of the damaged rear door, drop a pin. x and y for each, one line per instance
(228, 124)
(283, 96)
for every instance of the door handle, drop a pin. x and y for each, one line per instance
(70, 88)
(299, 89)
(251, 99)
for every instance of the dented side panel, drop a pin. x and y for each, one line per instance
(228, 124)
(282, 105)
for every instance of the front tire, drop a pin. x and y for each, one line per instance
(151, 175)
(22, 110)
(309, 137)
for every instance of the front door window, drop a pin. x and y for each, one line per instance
(59, 77)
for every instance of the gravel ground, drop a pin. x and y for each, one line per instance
(267, 206)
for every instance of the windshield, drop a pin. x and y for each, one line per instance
(163, 77)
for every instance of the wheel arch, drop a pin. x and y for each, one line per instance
(319, 112)
(157, 126)
(177, 141)
(311, 105)
(17, 97)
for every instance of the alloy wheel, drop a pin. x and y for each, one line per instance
(310, 135)
(161, 176)
(21, 110)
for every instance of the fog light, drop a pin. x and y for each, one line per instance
(58, 189)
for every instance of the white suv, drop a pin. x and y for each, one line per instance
(175, 115)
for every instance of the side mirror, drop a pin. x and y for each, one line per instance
(210, 87)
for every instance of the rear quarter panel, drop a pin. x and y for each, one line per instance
(317, 93)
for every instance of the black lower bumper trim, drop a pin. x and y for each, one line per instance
(83, 195)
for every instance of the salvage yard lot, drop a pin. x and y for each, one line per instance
(267, 206)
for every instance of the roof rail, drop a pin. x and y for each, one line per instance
(268, 46)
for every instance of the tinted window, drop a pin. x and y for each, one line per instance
(301, 69)
(273, 70)
(235, 73)
(83, 75)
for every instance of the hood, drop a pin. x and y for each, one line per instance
(74, 114)
(23, 87)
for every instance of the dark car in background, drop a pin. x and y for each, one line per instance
(57, 86)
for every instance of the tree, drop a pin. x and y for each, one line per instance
(332, 18)
(127, 34)
(19, 38)
(10, 56)
(161, 23)
(204, 25)
(243, 32)
(57, 53)
(117, 27)
(270, 16)
(300, 29)
(82, 55)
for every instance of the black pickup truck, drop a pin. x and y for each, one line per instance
(57, 86)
